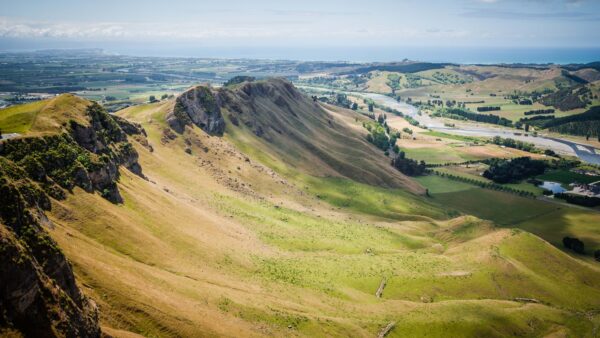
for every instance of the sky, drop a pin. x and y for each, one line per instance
(215, 27)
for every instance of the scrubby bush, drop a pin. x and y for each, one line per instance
(574, 244)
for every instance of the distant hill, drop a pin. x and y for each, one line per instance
(401, 68)
(585, 124)
(579, 66)
(568, 98)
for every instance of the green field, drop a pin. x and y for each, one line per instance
(548, 220)
(523, 186)
(440, 155)
(453, 137)
(390, 203)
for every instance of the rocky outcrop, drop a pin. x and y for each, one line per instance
(38, 293)
(129, 127)
(87, 156)
(197, 106)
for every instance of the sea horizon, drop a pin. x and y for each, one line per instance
(444, 54)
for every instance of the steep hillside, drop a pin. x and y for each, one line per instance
(71, 143)
(276, 118)
(265, 235)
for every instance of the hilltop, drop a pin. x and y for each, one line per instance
(266, 210)
(45, 116)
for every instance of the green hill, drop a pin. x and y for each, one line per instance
(46, 116)
(286, 225)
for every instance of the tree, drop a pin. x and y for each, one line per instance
(574, 244)
(408, 166)
(514, 170)
(354, 106)
(152, 99)
(0, 134)
(164, 96)
(597, 255)
(370, 107)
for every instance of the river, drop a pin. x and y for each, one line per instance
(584, 152)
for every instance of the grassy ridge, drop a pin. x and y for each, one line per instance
(46, 116)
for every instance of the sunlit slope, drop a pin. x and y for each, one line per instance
(272, 117)
(217, 243)
(46, 116)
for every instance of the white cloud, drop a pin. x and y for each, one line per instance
(206, 30)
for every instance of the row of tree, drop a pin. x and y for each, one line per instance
(582, 200)
(539, 112)
(484, 109)
(512, 143)
(485, 185)
(585, 124)
(465, 114)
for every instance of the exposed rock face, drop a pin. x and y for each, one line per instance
(88, 156)
(130, 128)
(263, 105)
(38, 293)
(197, 106)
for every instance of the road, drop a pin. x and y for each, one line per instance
(584, 152)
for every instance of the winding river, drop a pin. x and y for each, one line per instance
(584, 152)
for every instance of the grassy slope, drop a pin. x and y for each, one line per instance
(18, 119)
(44, 116)
(549, 220)
(212, 238)
(322, 141)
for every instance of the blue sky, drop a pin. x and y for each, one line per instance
(300, 24)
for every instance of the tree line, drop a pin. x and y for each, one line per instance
(485, 185)
(464, 114)
(484, 109)
(539, 112)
